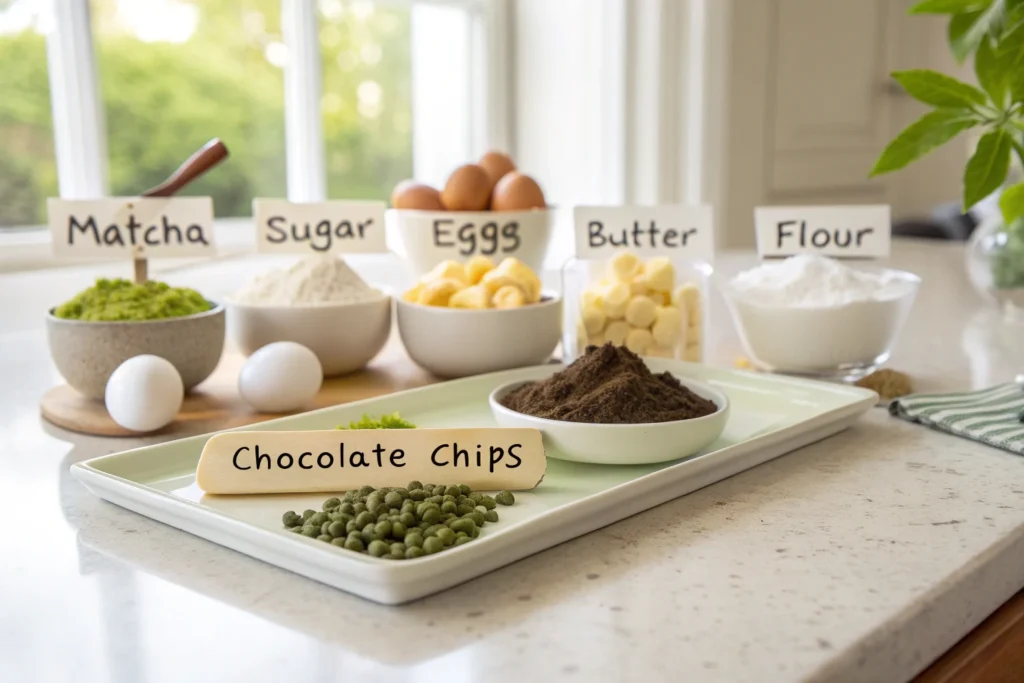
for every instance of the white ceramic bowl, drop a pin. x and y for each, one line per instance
(425, 238)
(344, 337)
(452, 342)
(622, 444)
(844, 341)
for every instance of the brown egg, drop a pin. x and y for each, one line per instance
(497, 164)
(409, 194)
(468, 189)
(517, 192)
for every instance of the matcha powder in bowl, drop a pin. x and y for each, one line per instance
(121, 300)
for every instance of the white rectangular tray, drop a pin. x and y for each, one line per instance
(771, 415)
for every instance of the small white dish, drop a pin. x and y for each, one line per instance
(621, 444)
(455, 342)
(425, 238)
(845, 341)
(344, 337)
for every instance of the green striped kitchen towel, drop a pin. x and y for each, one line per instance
(994, 416)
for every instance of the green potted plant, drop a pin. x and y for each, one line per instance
(992, 32)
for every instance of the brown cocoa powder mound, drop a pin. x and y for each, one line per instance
(608, 385)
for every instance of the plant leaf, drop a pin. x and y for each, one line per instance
(988, 22)
(939, 90)
(928, 132)
(992, 73)
(948, 6)
(986, 170)
(958, 26)
(1012, 203)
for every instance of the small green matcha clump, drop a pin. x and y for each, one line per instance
(118, 300)
(392, 421)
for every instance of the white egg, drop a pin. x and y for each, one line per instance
(144, 393)
(280, 377)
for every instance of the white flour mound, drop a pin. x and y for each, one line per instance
(813, 281)
(315, 280)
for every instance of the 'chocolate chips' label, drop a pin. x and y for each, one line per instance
(341, 460)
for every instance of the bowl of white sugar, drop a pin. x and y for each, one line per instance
(812, 315)
(321, 303)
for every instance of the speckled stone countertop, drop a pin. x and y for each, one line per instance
(860, 558)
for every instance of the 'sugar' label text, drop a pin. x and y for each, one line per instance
(343, 227)
(333, 460)
(645, 230)
(851, 231)
(131, 226)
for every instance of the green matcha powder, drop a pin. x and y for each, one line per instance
(120, 300)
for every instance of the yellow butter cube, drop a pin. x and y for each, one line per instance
(591, 298)
(641, 311)
(742, 363)
(510, 296)
(528, 280)
(616, 332)
(474, 297)
(492, 281)
(638, 339)
(412, 295)
(659, 274)
(624, 266)
(447, 270)
(687, 296)
(439, 292)
(692, 353)
(593, 319)
(638, 286)
(661, 351)
(616, 297)
(694, 317)
(477, 267)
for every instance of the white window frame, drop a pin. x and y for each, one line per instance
(79, 126)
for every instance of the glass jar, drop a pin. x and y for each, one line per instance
(995, 264)
(653, 306)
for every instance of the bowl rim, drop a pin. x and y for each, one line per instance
(217, 309)
(723, 409)
(552, 298)
(423, 213)
(913, 280)
(385, 297)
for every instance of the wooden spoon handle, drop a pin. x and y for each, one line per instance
(211, 154)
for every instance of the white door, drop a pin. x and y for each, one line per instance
(811, 107)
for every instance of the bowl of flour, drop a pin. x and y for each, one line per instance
(813, 315)
(321, 303)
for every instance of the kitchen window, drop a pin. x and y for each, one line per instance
(314, 98)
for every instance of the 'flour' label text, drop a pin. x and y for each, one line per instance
(850, 231)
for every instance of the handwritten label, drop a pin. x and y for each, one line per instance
(645, 230)
(339, 227)
(852, 231)
(131, 226)
(341, 460)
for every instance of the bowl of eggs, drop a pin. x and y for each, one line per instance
(468, 319)
(488, 209)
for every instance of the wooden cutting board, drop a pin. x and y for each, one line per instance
(215, 404)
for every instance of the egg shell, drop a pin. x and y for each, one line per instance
(468, 189)
(144, 393)
(497, 164)
(280, 377)
(517, 192)
(409, 194)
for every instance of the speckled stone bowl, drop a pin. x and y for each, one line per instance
(87, 352)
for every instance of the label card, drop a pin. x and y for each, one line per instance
(334, 227)
(645, 230)
(852, 231)
(132, 227)
(341, 460)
